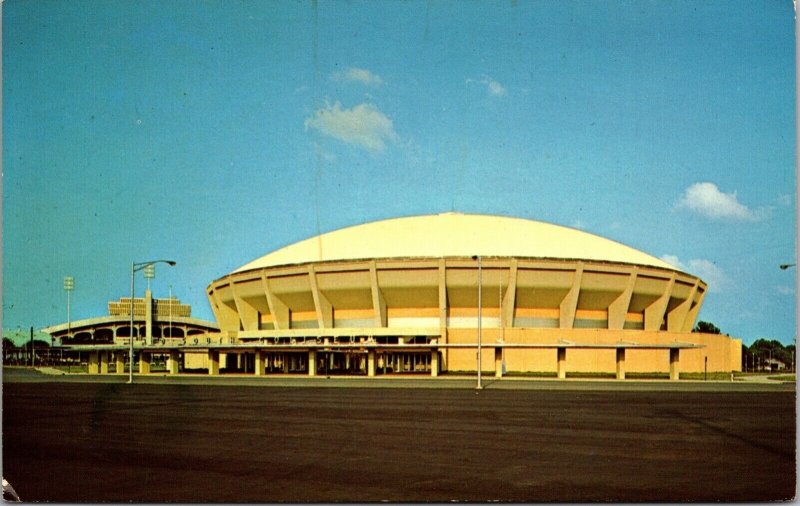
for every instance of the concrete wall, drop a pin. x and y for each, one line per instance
(724, 353)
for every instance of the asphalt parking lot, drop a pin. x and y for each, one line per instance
(77, 441)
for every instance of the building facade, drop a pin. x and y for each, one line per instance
(165, 321)
(419, 293)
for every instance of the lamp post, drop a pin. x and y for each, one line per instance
(783, 267)
(149, 273)
(69, 285)
(480, 289)
(137, 266)
(170, 311)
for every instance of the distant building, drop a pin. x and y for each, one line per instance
(773, 364)
(155, 320)
(164, 308)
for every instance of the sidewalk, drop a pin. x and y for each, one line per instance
(50, 370)
(48, 374)
(761, 378)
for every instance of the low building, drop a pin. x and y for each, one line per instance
(154, 320)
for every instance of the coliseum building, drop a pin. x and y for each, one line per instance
(417, 294)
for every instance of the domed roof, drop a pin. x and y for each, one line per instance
(454, 235)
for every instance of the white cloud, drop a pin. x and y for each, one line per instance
(674, 261)
(362, 76)
(493, 87)
(363, 125)
(322, 154)
(706, 270)
(496, 88)
(785, 199)
(709, 272)
(785, 290)
(706, 199)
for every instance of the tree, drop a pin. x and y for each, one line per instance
(37, 344)
(764, 349)
(772, 347)
(706, 328)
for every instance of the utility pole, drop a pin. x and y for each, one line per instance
(33, 355)
(69, 285)
(770, 360)
(480, 288)
(170, 310)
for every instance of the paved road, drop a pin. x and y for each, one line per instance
(73, 442)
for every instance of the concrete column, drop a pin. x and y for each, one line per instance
(620, 363)
(213, 362)
(322, 305)
(569, 304)
(674, 363)
(94, 360)
(378, 302)
(259, 363)
(172, 362)
(285, 363)
(562, 363)
(498, 362)
(120, 360)
(618, 309)
(434, 363)
(312, 362)
(371, 363)
(654, 313)
(103, 362)
(277, 308)
(400, 363)
(144, 362)
(148, 315)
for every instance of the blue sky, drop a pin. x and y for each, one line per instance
(212, 133)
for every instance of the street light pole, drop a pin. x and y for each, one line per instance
(170, 311)
(69, 285)
(480, 289)
(137, 266)
(130, 330)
